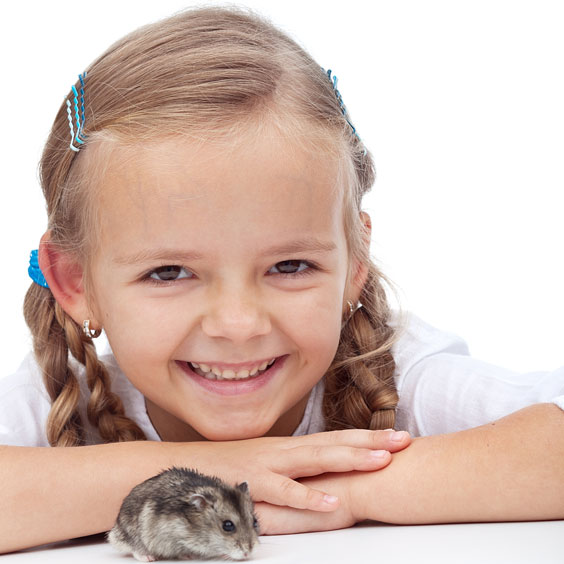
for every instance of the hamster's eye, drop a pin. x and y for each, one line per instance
(228, 526)
(255, 523)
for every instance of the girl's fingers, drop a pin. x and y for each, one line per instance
(312, 460)
(276, 520)
(305, 461)
(361, 438)
(283, 491)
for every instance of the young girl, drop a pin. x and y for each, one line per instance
(204, 184)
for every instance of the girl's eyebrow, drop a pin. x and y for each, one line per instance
(310, 245)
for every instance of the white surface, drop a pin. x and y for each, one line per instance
(460, 103)
(499, 543)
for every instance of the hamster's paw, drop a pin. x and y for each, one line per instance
(143, 557)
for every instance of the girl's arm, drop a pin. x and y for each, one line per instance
(509, 470)
(52, 494)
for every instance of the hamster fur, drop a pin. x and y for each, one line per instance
(181, 513)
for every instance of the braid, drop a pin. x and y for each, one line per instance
(42, 314)
(360, 390)
(54, 334)
(105, 409)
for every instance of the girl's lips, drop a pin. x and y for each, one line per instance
(234, 387)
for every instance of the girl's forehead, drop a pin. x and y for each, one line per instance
(176, 188)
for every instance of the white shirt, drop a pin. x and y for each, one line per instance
(441, 390)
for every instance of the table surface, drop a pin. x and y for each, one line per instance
(528, 542)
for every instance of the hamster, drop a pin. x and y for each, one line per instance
(181, 513)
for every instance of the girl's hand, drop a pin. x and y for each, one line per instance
(271, 465)
(276, 520)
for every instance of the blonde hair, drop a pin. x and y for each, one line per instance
(199, 73)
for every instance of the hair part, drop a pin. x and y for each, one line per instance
(206, 74)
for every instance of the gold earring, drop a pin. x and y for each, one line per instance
(352, 309)
(90, 333)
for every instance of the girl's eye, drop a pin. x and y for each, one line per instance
(286, 269)
(169, 273)
(293, 268)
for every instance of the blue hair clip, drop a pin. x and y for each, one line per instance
(333, 80)
(35, 272)
(78, 115)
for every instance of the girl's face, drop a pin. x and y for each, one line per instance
(226, 259)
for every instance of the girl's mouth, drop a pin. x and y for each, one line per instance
(229, 383)
(215, 373)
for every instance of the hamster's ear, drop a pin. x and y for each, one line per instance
(63, 274)
(243, 486)
(198, 501)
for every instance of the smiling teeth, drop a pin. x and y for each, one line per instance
(214, 373)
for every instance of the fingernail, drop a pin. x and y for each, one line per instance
(379, 454)
(398, 436)
(330, 499)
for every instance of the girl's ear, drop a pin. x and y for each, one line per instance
(64, 277)
(360, 270)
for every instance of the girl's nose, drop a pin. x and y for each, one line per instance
(236, 314)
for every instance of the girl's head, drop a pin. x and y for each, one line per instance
(213, 216)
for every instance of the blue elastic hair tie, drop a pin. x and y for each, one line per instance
(35, 272)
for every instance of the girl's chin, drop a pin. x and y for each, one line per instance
(177, 425)
(233, 433)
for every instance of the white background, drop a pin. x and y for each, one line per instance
(461, 103)
(367, 543)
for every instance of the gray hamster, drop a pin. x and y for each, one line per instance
(181, 513)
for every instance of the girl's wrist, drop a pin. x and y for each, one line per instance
(368, 494)
(360, 496)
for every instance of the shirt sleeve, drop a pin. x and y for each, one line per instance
(442, 389)
(24, 407)
(25, 404)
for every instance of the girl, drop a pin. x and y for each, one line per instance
(204, 184)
